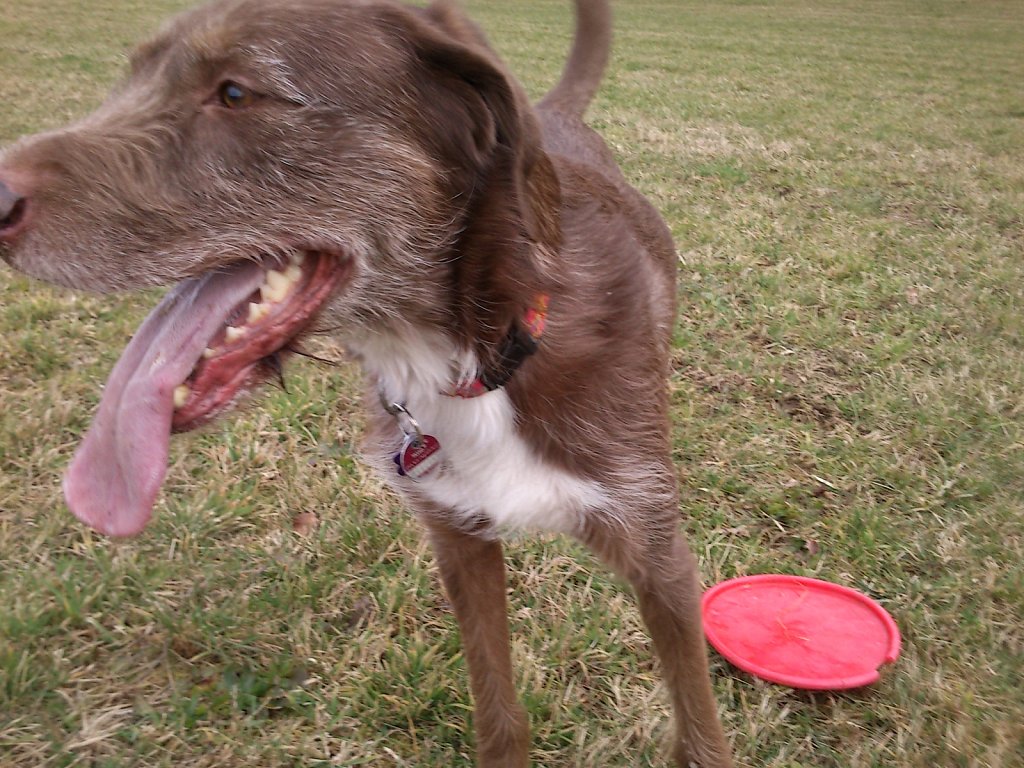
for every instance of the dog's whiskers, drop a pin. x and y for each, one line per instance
(303, 353)
(273, 364)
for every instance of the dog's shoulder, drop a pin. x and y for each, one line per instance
(606, 219)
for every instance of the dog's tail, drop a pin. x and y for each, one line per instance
(587, 59)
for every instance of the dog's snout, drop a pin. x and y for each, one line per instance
(13, 207)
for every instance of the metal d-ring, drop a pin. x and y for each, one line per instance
(409, 426)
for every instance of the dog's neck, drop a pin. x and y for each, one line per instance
(520, 342)
(411, 363)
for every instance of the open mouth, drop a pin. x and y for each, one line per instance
(209, 341)
(246, 348)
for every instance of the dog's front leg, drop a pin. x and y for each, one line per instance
(655, 559)
(473, 571)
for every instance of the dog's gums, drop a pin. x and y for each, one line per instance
(259, 327)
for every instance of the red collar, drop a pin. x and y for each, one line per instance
(522, 340)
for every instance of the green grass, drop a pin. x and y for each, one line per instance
(846, 187)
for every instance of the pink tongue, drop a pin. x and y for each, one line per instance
(117, 471)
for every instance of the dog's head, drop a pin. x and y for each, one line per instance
(366, 162)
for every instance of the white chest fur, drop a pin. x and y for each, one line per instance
(487, 469)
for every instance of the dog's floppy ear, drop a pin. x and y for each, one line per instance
(463, 51)
(481, 123)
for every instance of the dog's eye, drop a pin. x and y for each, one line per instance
(234, 96)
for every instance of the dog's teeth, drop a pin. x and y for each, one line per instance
(276, 287)
(293, 273)
(233, 334)
(297, 258)
(209, 352)
(273, 295)
(277, 279)
(181, 393)
(257, 312)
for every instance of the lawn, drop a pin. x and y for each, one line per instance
(845, 181)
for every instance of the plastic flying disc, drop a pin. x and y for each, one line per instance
(800, 632)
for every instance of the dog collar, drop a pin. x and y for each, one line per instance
(522, 340)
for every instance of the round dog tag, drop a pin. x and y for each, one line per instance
(419, 456)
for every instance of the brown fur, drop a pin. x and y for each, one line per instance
(397, 135)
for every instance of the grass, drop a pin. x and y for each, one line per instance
(846, 188)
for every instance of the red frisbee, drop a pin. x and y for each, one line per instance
(800, 632)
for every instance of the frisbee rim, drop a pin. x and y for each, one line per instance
(719, 639)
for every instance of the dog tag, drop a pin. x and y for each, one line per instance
(420, 455)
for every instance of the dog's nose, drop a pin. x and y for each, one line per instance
(12, 212)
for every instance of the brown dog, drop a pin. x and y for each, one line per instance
(373, 168)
